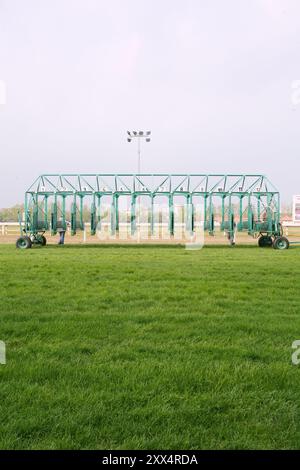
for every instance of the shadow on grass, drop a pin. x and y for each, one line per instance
(148, 246)
(113, 245)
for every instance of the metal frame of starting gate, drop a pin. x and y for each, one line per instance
(241, 202)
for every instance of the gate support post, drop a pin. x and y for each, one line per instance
(133, 215)
(171, 215)
(152, 214)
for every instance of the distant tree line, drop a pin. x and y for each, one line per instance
(10, 214)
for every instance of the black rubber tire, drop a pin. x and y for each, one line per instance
(29, 241)
(281, 243)
(23, 243)
(265, 241)
(44, 240)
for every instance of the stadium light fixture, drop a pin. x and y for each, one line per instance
(139, 135)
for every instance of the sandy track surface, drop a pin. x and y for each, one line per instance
(218, 239)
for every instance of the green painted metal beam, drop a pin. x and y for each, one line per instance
(223, 196)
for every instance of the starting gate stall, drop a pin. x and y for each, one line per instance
(234, 203)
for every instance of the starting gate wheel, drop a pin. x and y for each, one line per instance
(23, 243)
(281, 243)
(264, 241)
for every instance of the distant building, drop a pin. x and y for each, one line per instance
(296, 209)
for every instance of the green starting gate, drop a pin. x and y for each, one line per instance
(248, 203)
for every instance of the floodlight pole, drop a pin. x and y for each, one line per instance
(139, 155)
(139, 135)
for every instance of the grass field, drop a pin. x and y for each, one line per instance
(149, 347)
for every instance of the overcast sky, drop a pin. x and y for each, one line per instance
(212, 79)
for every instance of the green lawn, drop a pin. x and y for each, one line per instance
(149, 347)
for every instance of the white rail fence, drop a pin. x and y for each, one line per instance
(13, 228)
(9, 228)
